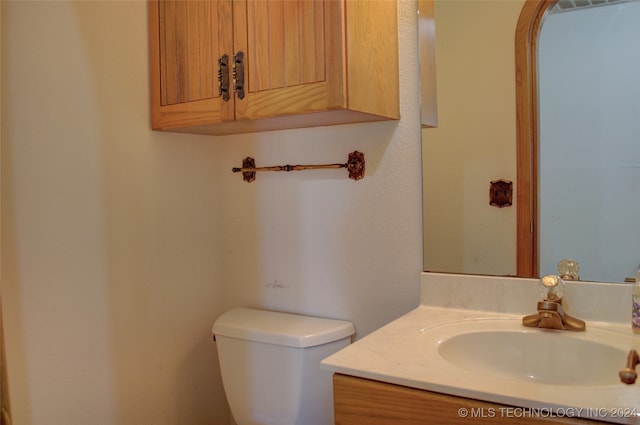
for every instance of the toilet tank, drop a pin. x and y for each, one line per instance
(270, 365)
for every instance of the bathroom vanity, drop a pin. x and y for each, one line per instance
(463, 355)
(361, 401)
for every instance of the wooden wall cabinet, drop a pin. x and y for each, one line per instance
(360, 401)
(306, 63)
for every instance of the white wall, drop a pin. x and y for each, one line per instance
(120, 246)
(475, 142)
(590, 155)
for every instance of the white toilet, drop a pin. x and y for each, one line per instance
(270, 364)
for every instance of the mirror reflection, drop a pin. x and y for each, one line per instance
(589, 150)
(475, 144)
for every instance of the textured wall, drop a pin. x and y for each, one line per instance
(120, 246)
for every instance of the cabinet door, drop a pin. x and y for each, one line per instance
(187, 39)
(294, 56)
(359, 401)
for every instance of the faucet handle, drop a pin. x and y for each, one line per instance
(569, 269)
(552, 288)
(628, 375)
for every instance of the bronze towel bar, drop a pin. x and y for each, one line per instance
(355, 166)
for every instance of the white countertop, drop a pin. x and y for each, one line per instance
(404, 352)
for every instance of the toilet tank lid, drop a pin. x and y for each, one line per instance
(279, 328)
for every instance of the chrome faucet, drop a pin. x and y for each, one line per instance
(551, 314)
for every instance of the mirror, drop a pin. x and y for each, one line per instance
(589, 140)
(475, 143)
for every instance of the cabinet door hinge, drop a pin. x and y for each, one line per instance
(238, 74)
(223, 77)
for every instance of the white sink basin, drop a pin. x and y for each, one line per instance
(547, 357)
(503, 349)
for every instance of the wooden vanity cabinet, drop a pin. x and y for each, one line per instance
(306, 63)
(360, 401)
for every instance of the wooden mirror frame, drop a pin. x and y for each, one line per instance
(526, 41)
